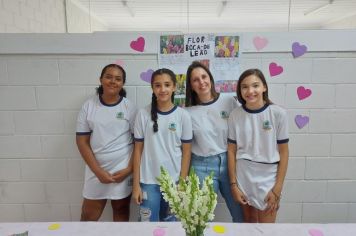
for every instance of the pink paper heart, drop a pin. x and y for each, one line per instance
(146, 76)
(159, 232)
(260, 42)
(301, 121)
(138, 45)
(303, 92)
(275, 69)
(298, 49)
(315, 232)
(119, 62)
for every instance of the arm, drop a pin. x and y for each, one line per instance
(231, 164)
(136, 191)
(186, 155)
(282, 168)
(274, 194)
(83, 143)
(120, 175)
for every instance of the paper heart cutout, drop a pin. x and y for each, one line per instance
(301, 121)
(159, 232)
(303, 92)
(275, 69)
(146, 76)
(315, 232)
(119, 62)
(260, 42)
(298, 49)
(138, 45)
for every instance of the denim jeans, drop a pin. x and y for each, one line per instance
(153, 207)
(203, 166)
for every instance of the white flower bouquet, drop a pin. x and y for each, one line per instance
(194, 206)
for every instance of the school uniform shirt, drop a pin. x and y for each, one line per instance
(257, 133)
(110, 128)
(210, 127)
(162, 148)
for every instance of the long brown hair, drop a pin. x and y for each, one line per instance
(191, 97)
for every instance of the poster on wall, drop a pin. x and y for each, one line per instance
(219, 53)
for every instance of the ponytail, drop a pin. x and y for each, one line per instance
(154, 112)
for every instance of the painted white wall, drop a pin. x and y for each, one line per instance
(35, 16)
(49, 16)
(43, 85)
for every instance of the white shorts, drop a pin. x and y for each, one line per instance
(255, 180)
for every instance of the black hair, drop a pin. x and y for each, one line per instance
(154, 98)
(260, 75)
(122, 93)
(191, 97)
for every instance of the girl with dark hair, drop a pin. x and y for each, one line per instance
(104, 139)
(209, 113)
(163, 135)
(257, 149)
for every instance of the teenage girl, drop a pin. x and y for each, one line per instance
(257, 149)
(209, 112)
(163, 135)
(104, 139)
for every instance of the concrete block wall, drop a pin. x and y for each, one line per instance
(41, 171)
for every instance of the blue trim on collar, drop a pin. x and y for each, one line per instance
(255, 111)
(110, 105)
(166, 112)
(211, 102)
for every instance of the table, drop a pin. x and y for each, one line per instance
(175, 229)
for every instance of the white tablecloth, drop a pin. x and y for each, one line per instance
(175, 229)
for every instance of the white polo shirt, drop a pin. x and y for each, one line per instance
(257, 133)
(162, 148)
(210, 127)
(110, 128)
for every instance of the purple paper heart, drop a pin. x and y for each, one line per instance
(301, 121)
(298, 49)
(146, 76)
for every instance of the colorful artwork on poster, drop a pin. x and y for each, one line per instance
(180, 87)
(226, 46)
(226, 86)
(171, 44)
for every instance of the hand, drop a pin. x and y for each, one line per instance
(120, 175)
(238, 195)
(137, 194)
(104, 177)
(272, 201)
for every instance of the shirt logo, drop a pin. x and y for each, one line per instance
(120, 115)
(172, 126)
(224, 114)
(267, 125)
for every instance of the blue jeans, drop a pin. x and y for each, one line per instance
(203, 166)
(153, 207)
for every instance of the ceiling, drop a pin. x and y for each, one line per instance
(212, 16)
